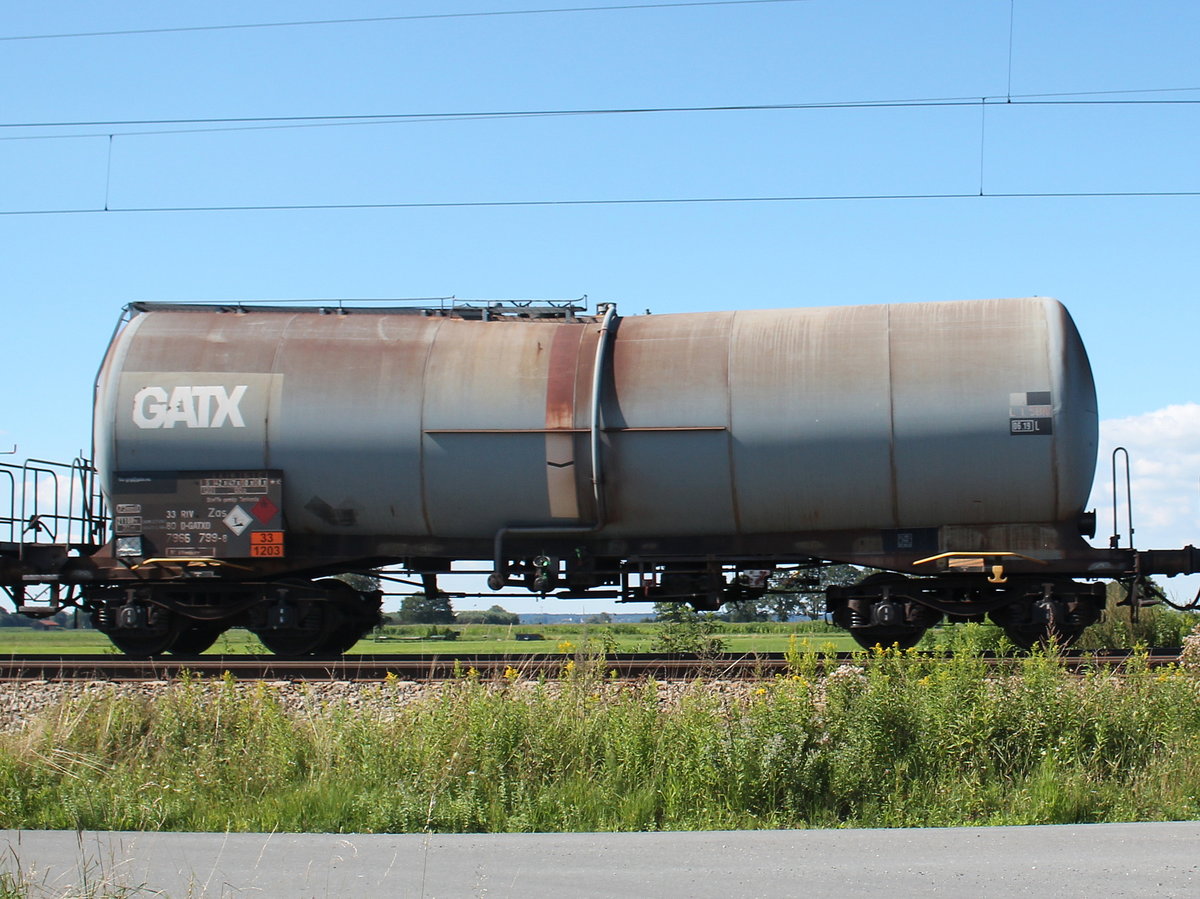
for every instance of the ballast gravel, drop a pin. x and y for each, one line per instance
(22, 702)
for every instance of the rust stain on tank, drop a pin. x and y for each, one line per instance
(560, 377)
(561, 484)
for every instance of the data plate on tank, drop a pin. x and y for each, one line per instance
(1030, 413)
(199, 514)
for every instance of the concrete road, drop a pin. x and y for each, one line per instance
(1109, 860)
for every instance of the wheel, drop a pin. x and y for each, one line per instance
(147, 642)
(195, 637)
(340, 640)
(309, 619)
(901, 634)
(141, 645)
(325, 623)
(1051, 620)
(359, 613)
(313, 623)
(1027, 636)
(870, 637)
(1022, 637)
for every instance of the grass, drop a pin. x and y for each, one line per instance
(475, 638)
(892, 740)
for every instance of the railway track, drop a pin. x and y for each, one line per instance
(728, 666)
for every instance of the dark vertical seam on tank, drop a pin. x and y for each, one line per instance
(894, 485)
(731, 332)
(421, 427)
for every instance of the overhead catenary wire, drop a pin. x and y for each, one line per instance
(261, 123)
(1040, 99)
(309, 23)
(622, 201)
(981, 102)
(115, 128)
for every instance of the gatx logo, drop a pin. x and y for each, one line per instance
(188, 406)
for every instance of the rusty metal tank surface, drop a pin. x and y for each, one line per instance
(734, 423)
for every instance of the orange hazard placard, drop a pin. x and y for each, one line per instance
(266, 543)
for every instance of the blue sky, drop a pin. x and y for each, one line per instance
(1125, 266)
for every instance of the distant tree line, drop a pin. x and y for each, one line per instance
(421, 609)
(494, 615)
(65, 618)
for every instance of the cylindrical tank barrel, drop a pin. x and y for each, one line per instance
(739, 423)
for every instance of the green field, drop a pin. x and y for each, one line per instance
(475, 638)
(1157, 627)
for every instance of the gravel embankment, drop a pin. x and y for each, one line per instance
(22, 702)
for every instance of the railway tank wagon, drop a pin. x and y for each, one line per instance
(252, 454)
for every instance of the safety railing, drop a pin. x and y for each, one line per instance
(51, 502)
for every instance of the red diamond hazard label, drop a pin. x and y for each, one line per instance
(264, 510)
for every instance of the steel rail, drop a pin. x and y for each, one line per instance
(366, 668)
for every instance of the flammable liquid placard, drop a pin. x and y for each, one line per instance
(201, 514)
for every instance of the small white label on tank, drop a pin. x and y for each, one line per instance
(237, 520)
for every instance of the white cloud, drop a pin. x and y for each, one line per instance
(1164, 457)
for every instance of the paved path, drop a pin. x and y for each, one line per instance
(1110, 860)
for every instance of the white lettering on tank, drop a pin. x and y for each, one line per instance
(227, 406)
(182, 409)
(149, 403)
(204, 397)
(190, 406)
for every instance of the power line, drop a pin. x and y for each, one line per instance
(498, 113)
(247, 123)
(628, 201)
(411, 18)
